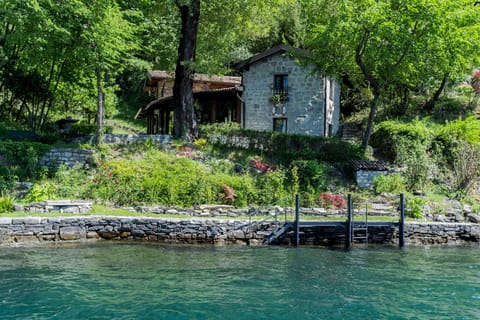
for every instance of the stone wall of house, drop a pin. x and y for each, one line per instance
(66, 156)
(305, 105)
(365, 178)
(159, 139)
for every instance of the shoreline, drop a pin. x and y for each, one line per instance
(38, 230)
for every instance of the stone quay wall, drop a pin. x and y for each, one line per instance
(204, 231)
(441, 233)
(213, 231)
(415, 233)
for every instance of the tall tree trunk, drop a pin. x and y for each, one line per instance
(371, 117)
(374, 84)
(185, 122)
(431, 103)
(100, 107)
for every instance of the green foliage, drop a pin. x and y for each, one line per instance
(24, 155)
(80, 129)
(71, 182)
(166, 179)
(311, 174)
(7, 181)
(465, 168)
(41, 192)
(6, 203)
(272, 190)
(414, 207)
(467, 130)
(388, 134)
(287, 147)
(430, 152)
(391, 183)
(413, 155)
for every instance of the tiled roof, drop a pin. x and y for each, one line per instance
(141, 113)
(369, 165)
(160, 75)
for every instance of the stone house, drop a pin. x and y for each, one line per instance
(280, 94)
(274, 92)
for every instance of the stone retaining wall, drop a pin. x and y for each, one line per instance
(126, 138)
(62, 206)
(212, 231)
(66, 156)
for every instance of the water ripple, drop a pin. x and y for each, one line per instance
(152, 281)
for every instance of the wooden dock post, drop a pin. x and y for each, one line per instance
(348, 223)
(297, 220)
(401, 224)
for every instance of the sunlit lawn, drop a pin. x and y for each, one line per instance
(99, 210)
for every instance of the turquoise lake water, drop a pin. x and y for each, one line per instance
(126, 280)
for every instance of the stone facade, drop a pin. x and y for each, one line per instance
(305, 108)
(365, 178)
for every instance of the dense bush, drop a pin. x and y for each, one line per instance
(6, 203)
(312, 174)
(72, 183)
(287, 147)
(328, 200)
(392, 183)
(414, 207)
(169, 180)
(23, 157)
(431, 152)
(41, 192)
(388, 133)
(81, 129)
(7, 181)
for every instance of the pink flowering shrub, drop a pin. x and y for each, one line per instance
(329, 200)
(261, 166)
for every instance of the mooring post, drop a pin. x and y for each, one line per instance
(297, 220)
(348, 223)
(401, 225)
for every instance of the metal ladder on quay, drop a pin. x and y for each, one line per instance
(359, 232)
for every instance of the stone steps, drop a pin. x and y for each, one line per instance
(351, 132)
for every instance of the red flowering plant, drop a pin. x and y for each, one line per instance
(328, 200)
(112, 183)
(187, 152)
(262, 167)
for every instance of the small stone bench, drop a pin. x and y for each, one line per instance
(62, 206)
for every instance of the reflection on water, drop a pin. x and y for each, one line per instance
(154, 281)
